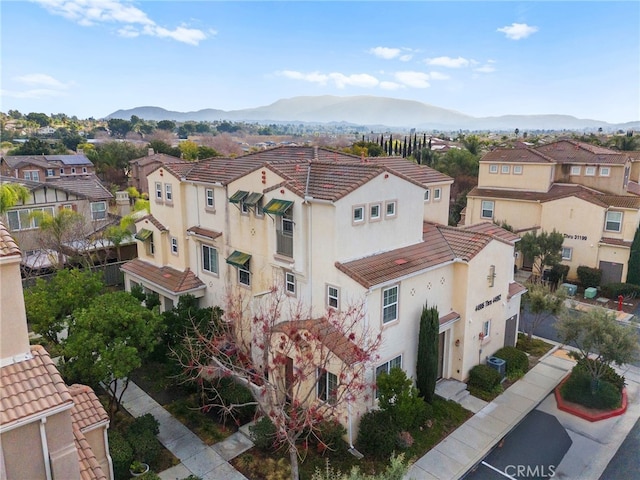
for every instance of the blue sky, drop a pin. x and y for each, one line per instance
(90, 58)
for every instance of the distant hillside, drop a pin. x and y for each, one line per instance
(368, 111)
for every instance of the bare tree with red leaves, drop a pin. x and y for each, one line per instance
(300, 370)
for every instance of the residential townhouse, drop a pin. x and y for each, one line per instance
(331, 229)
(48, 430)
(590, 194)
(40, 168)
(84, 194)
(141, 167)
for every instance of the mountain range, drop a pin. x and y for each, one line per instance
(372, 112)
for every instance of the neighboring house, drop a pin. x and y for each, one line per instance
(47, 430)
(141, 167)
(331, 229)
(83, 194)
(588, 193)
(40, 168)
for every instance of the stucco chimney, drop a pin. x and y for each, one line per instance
(150, 152)
(122, 203)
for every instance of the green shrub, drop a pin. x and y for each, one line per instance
(330, 433)
(589, 277)
(558, 272)
(517, 360)
(398, 396)
(232, 393)
(377, 433)
(484, 377)
(612, 290)
(577, 389)
(608, 375)
(146, 447)
(138, 292)
(121, 454)
(145, 423)
(264, 434)
(148, 476)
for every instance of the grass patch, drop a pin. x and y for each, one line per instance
(534, 347)
(447, 416)
(205, 425)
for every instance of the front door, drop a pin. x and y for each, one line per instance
(441, 355)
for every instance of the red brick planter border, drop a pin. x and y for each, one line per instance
(584, 412)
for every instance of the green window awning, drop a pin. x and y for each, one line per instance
(143, 234)
(238, 196)
(277, 207)
(238, 259)
(252, 199)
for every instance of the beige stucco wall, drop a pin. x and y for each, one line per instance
(14, 337)
(437, 211)
(519, 214)
(613, 183)
(14, 443)
(535, 177)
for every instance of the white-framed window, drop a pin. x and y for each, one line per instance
(290, 283)
(32, 175)
(487, 209)
(73, 170)
(567, 252)
(23, 219)
(174, 245)
(613, 222)
(390, 304)
(493, 168)
(151, 247)
(168, 192)
(244, 275)
(84, 169)
(437, 194)
(209, 196)
(374, 212)
(486, 328)
(333, 297)
(387, 366)
(358, 214)
(605, 171)
(98, 210)
(50, 172)
(327, 386)
(517, 169)
(575, 170)
(390, 208)
(258, 211)
(505, 169)
(427, 195)
(209, 259)
(159, 191)
(68, 206)
(62, 171)
(590, 171)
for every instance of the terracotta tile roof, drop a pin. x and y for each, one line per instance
(448, 318)
(634, 155)
(622, 201)
(222, 170)
(633, 187)
(516, 155)
(203, 232)
(166, 278)
(408, 169)
(571, 151)
(388, 266)
(178, 169)
(90, 468)
(466, 244)
(31, 387)
(8, 246)
(556, 192)
(87, 410)
(494, 230)
(515, 288)
(617, 242)
(151, 219)
(322, 330)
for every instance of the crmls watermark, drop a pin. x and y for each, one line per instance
(530, 471)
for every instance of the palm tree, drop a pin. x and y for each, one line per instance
(59, 230)
(11, 194)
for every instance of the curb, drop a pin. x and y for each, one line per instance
(596, 417)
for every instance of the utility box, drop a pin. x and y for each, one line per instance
(498, 364)
(590, 292)
(570, 288)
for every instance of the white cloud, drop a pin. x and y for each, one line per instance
(93, 12)
(340, 80)
(313, 77)
(385, 52)
(413, 79)
(485, 69)
(33, 93)
(390, 85)
(406, 57)
(438, 76)
(40, 79)
(447, 62)
(517, 31)
(38, 85)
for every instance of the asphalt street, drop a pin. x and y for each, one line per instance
(625, 464)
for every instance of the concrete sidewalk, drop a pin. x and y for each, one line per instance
(471, 442)
(197, 458)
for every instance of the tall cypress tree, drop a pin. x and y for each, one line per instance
(427, 362)
(633, 269)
